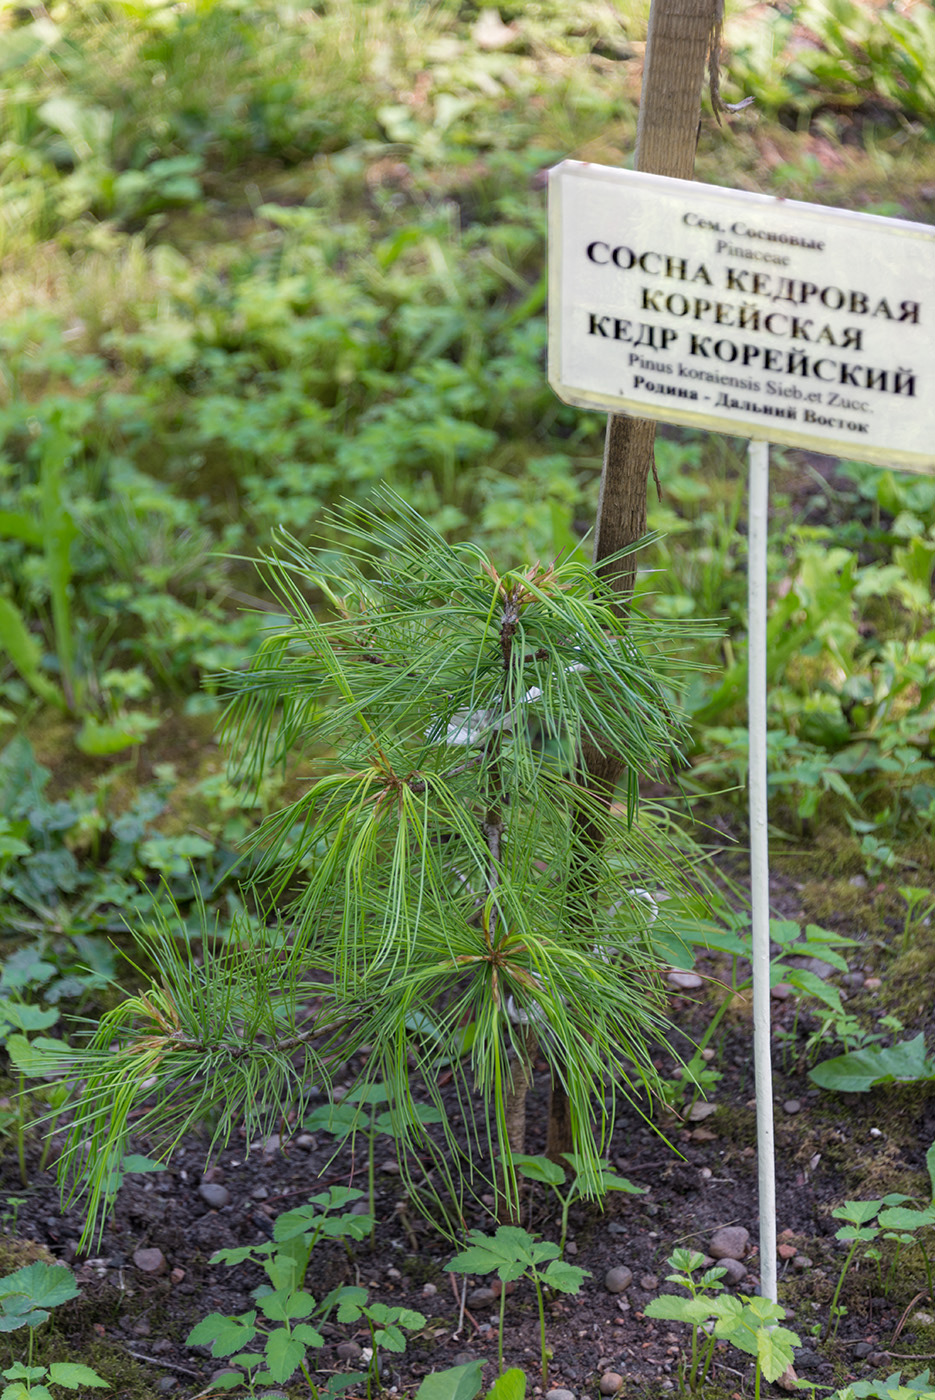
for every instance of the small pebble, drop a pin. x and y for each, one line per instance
(873, 984)
(781, 991)
(463, 1358)
(611, 1382)
(862, 1350)
(429, 1290)
(734, 1272)
(150, 1261)
(177, 1275)
(479, 1296)
(559, 1395)
(166, 1383)
(683, 982)
(801, 1262)
(348, 1351)
(858, 882)
(306, 1141)
(259, 1193)
(390, 1167)
(618, 1280)
(792, 1106)
(650, 1282)
(787, 1251)
(571, 1247)
(730, 1242)
(214, 1196)
(854, 979)
(923, 1319)
(699, 1111)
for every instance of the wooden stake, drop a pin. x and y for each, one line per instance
(680, 36)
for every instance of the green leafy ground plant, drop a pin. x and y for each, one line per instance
(26, 1300)
(513, 1253)
(582, 1184)
(750, 1324)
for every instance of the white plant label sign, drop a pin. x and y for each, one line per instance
(743, 314)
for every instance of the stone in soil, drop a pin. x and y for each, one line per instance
(150, 1261)
(650, 1282)
(611, 1382)
(684, 981)
(348, 1351)
(560, 1395)
(792, 1106)
(735, 1272)
(213, 1195)
(730, 1242)
(618, 1280)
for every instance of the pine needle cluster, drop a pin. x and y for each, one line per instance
(442, 897)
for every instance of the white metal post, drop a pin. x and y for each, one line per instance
(759, 858)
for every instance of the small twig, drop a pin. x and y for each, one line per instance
(462, 1307)
(164, 1365)
(902, 1321)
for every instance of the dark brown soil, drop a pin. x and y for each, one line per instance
(828, 1151)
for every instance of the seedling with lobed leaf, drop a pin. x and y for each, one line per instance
(345, 1120)
(285, 1258)
(901, 1223)
(584, 1182)
(286, 1347)
(694, 1309)
(26, 1299)
(513, 1253)
(750, 1324)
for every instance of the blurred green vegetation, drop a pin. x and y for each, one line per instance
(259, 258)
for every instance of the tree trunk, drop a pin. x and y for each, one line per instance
(681, 35)
(514, 1112)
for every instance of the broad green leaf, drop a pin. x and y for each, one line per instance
(19, 1391)
(284, 1354)
(135, 1162)
(901, 1218)
(567, 1278)
(41, 1285)
(284, 1305)
(35, 1058)
(861, 1070)
(457, 1383)
(27, 1317)
(539, 1169)
(15, 525)
(308, 1335)
(391, 1338)
(775, 1350)
(72, 1375)
(812, 985)
(853, 1232)
(675, 1309)
(857, 1212)
(20, 646)
(930, 1167)
(225, 1335)
(510, 1386)
(28, 1017)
